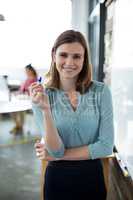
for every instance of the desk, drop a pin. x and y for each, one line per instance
(18, 103)
(14, 106)
(12, 102)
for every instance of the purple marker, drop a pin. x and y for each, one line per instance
(39, 80)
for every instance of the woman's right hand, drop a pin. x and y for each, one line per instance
(40, 150)
(42, 153)
(38, 96)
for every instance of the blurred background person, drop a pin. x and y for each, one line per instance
(31, 77)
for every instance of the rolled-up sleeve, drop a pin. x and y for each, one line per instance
(104, 145)
(59, 153)
(38, 116)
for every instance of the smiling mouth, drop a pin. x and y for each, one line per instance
(68, 68)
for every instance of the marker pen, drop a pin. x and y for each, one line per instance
(39, 80)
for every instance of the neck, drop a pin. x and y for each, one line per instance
(68, 85)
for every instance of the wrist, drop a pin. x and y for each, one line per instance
(47, 112)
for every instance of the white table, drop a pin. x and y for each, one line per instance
(12, 102)
(15, 106)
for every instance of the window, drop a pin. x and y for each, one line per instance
(122, 80)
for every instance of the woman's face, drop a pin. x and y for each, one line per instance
(30, 74)
(69, 59)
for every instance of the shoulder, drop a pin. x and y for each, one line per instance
(50, 91)
(99, 90)
(97, 86)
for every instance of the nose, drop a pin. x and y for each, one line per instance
(69, 60)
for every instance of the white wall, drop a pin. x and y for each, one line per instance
(30, 29)
(80, 12)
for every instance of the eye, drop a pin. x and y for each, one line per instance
(64, 55)
(77, 56)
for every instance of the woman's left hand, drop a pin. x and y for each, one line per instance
(42, 153)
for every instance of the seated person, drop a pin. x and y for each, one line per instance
(24, 89)
(31, 77)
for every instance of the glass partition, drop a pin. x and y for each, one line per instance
(122, 80)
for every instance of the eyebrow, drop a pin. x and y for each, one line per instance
(63, 52)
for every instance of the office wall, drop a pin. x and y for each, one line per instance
(80, 16)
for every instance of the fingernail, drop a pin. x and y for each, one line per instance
(37, 154)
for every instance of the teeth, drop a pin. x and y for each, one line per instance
(68, 68)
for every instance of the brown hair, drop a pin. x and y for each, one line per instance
(85, 76)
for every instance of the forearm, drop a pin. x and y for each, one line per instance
(52, 138)
(77, 153)
(93, 151)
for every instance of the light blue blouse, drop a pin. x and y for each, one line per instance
(91, 124)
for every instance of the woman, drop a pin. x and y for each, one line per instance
(77, 113)
(31, 77)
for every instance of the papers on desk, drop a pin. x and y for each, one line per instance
(19, 97)
(17, 104)
(8, 107)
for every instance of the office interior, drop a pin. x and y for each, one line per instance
(107, 25)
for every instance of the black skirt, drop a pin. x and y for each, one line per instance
(74, 180)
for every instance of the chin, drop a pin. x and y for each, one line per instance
(70, 76)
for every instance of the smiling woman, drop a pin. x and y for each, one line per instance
(78, 119)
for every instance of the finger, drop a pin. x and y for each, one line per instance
(41, 153)
(37, 141)
(36, 87)
(40, 156)
(35, 92)
(38, 150)
(32, 84)
(37, 95)
(36, 98)
(38, 90)
(37, 154)
(37, 144)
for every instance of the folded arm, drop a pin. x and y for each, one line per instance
(103, 147)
